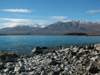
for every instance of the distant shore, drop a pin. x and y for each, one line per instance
(81, 34)
(84, 35)
(54, 35)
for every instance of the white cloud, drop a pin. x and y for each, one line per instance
(67, 21)
(18, 10)
(23, 20)
(92, 11)
(11, 24)
(58, 17)
(15, 20)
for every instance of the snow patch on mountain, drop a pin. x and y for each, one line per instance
(81, 22)
(30, 25)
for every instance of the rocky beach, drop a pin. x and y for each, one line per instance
(69, 60)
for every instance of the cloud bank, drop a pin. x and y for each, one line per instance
(17, 10)
(92, 11)
(58, 17)
(14, 22)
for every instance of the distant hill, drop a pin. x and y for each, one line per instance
(58, 28)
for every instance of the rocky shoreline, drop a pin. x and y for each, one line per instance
(71, 60)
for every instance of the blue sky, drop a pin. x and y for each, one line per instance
(14, 12)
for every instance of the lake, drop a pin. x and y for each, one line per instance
(24, 44)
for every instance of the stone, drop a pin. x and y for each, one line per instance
(81, 54)
(93, 58)
(56, 73)
(19, 69)
(53, 62)
(44, 48)
(42, 73)
(37, 50)
(89, 47)
(62, 65)
(6, 70)
(7, 57)
(1, 65)
(9, 68)
(31, 73)
(60, 47)
(97, 45)
(71, 53)
(94, 70)
(97, 73)
(76, 50)
(51, 73)
(98, 48)
(81, 58)
(9, 64)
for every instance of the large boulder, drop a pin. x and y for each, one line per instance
(94, 70)
(7, 57)
(38, 50)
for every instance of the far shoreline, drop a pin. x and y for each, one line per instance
(53, 35)
(85, 35)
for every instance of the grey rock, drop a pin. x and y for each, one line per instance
(9, 64)
(9, 68)
(31, 73)
(37, 50)
(60, 47)
(90, 47)
(7, 57)
(19, 69)
(94, 70)
(1, 65)
(53, 62)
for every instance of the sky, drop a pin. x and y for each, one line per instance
(45, 12)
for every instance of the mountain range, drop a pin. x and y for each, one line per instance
(58, 28)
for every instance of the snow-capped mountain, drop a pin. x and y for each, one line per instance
(61, 27)
(30, 25)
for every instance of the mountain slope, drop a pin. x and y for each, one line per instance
(91, 28)
(19, 30)
(73, 27)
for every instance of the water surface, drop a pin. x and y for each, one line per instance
(24, 44)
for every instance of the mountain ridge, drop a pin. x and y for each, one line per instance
(58, 28)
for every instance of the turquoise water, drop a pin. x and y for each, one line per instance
(24, 44)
